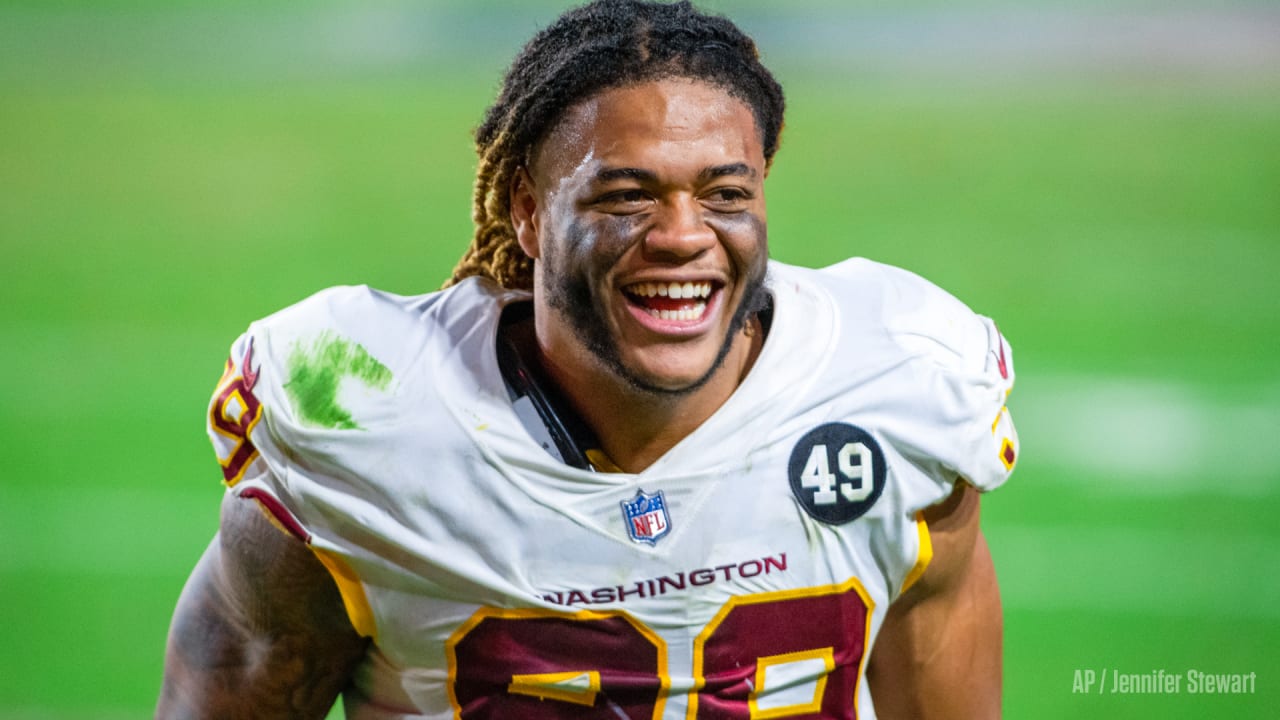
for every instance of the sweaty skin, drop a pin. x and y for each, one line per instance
(638, 188)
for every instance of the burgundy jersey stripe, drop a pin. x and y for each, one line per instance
(279, 512)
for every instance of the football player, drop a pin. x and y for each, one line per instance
(624, 465)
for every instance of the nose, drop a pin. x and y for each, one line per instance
(680, 231)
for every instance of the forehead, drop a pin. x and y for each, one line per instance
(670, 121)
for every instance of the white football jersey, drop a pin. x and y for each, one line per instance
(744, 574)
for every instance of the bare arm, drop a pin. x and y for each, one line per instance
(939, 652)
(259, 631)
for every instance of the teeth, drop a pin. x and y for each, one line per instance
(684, 315)
(671, 290)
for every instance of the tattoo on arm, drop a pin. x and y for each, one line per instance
(260, 630)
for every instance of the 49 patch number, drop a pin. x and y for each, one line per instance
(837, 472)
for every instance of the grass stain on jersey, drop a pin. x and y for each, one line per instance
(316, 372)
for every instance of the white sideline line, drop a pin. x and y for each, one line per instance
(1197, 572)
(40, 713)
(104, 531)
(1145, 437)
(1215, 572)
(1163, 573)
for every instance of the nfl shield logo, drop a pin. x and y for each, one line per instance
(646, 517)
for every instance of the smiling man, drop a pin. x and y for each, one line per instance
(624, 466)
(644, 212)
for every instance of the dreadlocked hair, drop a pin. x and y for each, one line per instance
(603, 45)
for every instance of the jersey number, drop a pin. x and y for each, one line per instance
(817, 474)
(232, 414)
(788, 654)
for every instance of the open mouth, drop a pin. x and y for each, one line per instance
(672, 301)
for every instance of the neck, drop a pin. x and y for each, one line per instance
(635, 427)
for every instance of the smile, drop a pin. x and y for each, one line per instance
(672, 301)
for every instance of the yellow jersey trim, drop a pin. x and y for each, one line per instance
(601, 462)
(925, 555)
(558, 686)
(353, 597)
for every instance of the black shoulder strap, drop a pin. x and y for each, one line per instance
(528, 386)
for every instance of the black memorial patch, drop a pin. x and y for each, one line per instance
(837, 472)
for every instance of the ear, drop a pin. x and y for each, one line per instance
(524, 212)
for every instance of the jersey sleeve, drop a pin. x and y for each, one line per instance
(300, 390)
(235, 410)
(963, 373)
(302, 393)
(239, 430)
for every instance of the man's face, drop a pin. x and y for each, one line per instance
(646, 216)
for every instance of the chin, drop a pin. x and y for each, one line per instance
(670, 378)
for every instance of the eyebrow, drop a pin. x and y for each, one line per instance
(718, 171)
(608, 174)
(648, 176)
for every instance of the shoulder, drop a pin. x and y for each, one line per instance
(921, 319)
(937, 372)
(346, 358)
(364, 314)
(360, 309)
(900, 315)
(292, 356)
(363, 332)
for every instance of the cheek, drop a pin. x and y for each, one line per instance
(746, 238)
(597, 245)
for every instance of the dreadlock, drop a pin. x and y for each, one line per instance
(606, 44)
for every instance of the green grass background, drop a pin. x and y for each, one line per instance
(160, 188)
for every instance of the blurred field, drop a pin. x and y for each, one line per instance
(169, 173)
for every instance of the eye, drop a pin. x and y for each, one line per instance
(727, 199)
(624, 202)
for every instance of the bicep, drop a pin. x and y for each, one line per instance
(259, 629)
(939, 651)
